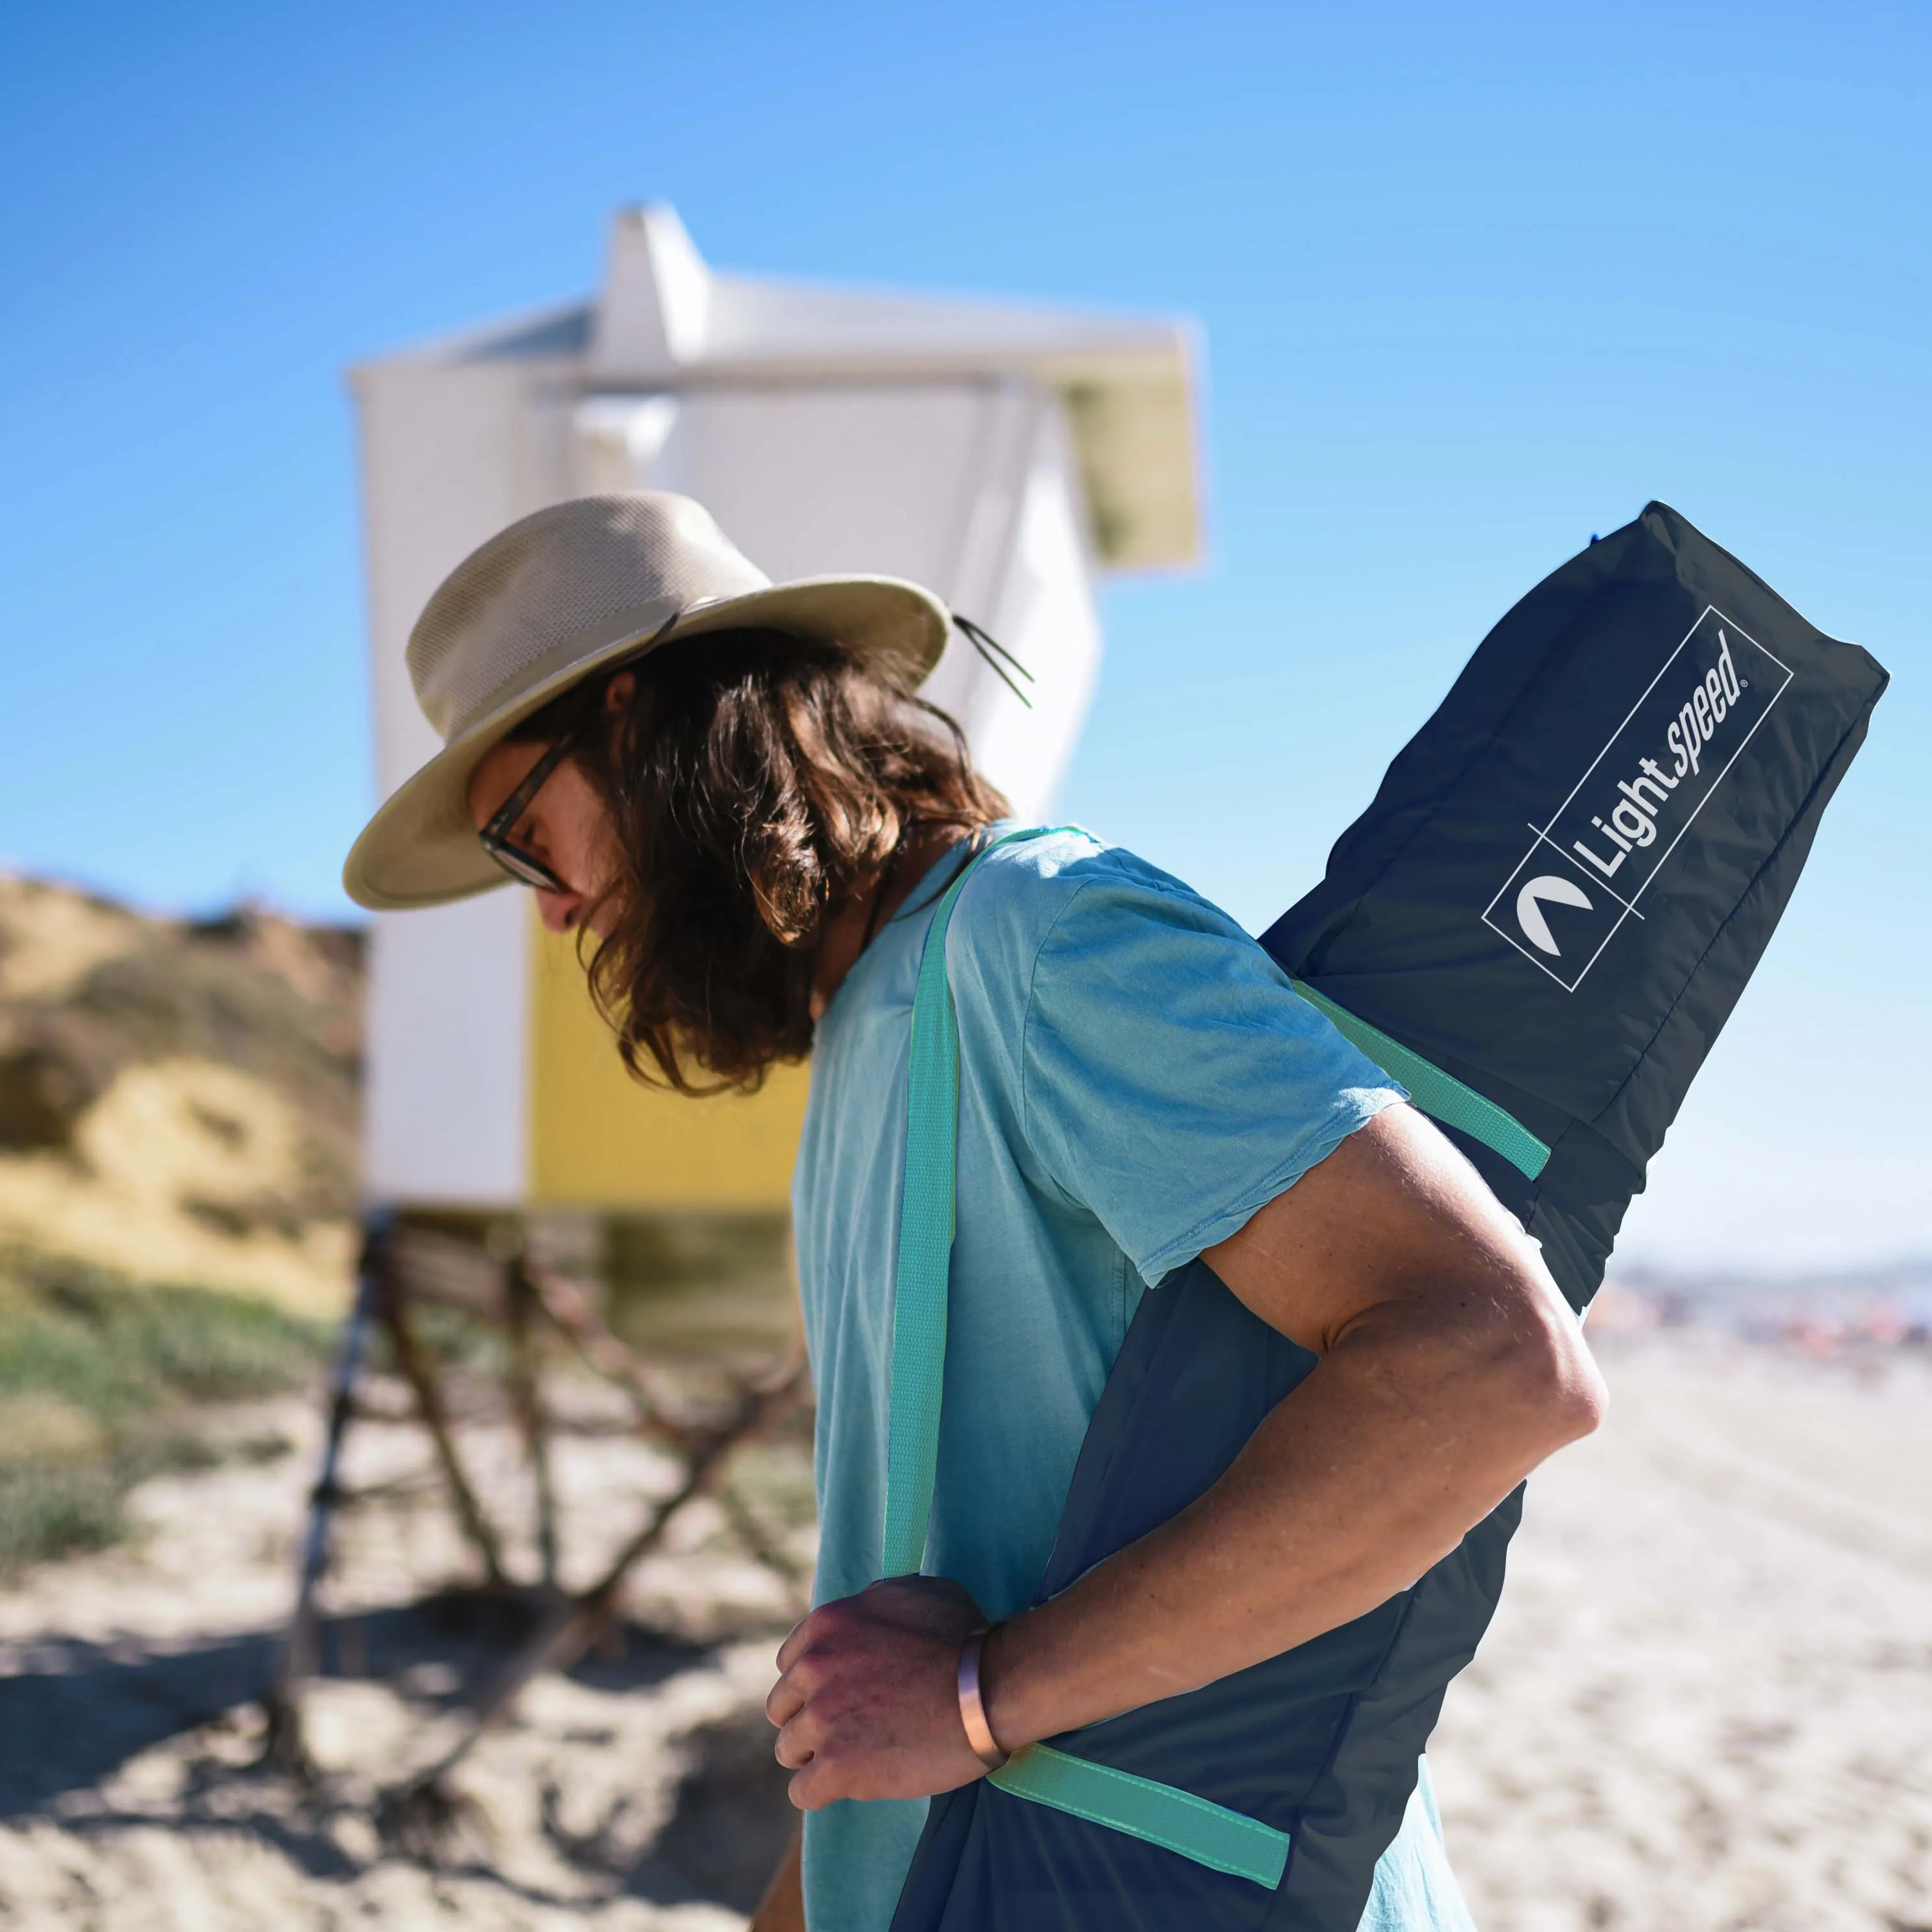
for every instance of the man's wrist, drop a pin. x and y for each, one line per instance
(999, 1685)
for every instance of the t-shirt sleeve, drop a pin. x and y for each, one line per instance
(1172, 1081)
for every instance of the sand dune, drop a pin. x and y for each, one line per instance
(179, 1099)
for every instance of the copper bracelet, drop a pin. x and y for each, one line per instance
(972, 1711)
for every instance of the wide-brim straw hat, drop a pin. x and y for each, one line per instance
(571, 590)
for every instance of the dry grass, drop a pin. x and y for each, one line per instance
(101, 1385)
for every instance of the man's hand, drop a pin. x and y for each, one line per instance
(867, 1705)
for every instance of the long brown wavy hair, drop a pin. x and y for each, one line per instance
(759, 784)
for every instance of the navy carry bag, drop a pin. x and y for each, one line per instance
(1538, 927)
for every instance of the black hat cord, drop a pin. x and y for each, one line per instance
(994, 652)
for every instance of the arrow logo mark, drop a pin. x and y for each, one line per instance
(1529, 909)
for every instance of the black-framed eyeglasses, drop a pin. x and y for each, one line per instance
(496, 835)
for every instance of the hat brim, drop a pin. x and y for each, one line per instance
(421, 848)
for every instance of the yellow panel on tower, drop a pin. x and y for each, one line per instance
(599, 1139)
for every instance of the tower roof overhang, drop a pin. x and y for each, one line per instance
(664, 319)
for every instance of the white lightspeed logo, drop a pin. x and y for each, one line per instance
(1633, 821)
(1606, 842)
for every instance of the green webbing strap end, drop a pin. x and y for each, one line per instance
(1210, 1834)
(1438, 1094)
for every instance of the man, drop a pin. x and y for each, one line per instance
(730, 788)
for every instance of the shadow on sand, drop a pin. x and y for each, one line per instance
(80, 1710)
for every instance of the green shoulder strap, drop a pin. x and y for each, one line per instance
(1438, 1094)
(925, 1241)
(1210, 1834)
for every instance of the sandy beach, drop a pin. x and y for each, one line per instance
(1705, 1706)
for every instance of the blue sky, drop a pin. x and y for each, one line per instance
(1475, 282)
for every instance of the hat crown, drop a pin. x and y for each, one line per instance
(561, 583)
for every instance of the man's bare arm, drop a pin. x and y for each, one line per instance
(1449, 1367)
(782, 1908)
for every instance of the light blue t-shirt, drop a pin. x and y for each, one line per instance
(1136, 1078)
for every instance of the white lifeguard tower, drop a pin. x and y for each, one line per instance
(1001, 455)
